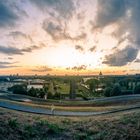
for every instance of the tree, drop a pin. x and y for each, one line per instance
(32, 92)
(107, 92)
(57, 95)
(137, 89)
(72, 89)
(116, 90)
(45, 88)
(51, 87)
(18, 89)
(93, 84)
(41, 93)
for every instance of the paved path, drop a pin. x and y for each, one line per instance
(24, 98)
(39, 110)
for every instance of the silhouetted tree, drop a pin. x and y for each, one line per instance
(137, 89)
(45, 88)
(93, 84)
(72, 89)
(107, 92)
(49, 95)
(116, 90)
(32, 92)
(41, 93)
(18, 89)
(57, 95)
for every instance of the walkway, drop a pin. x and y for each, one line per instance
(39, 110)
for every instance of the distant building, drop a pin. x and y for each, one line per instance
(36, 83)
(100, 75)
(36, 86)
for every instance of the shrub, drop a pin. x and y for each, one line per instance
(49, 95)
(32, 92)
(107, 91)
(18, 89)
(116, 90)
(57, 95)
(41, 93)
(13, 123)
(52, 128)
(36, 92)
(137, 89)
(29, 131)
(127, 92)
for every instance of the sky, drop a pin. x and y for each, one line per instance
(60, 37)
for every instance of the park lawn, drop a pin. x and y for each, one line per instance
(15, 125)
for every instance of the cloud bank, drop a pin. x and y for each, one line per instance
(125, 15)
(7, 16)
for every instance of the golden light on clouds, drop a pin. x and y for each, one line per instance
(69, 37)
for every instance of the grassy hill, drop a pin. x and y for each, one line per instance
(16, 125)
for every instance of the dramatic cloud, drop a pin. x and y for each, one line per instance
(123, 13)
(93, 49)
(54, 30)
(82, 36)
(15, 51)
(78, 47)
(42, 69)
(137, 61)
(7, 64)
(59, 32)
(18, 34)
(121, 57)
(81, 16)
(64, 8)
(78, 68)
(109, 11)
(10, 50)
(7, 16)
(10, 58)
(30, 49)
(91, 31)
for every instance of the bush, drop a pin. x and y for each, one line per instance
(127, 92)
(40, 93)
(137, 89)
(52, 128)
(57, 95)
(32, 92)
(107, 92)
(49, 95)
(13, 123)
(116, 90)
(18, 89)
(29, 132)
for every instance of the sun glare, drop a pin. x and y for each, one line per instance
(66, 56)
